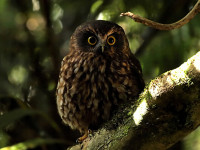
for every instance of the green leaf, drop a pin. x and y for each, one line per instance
(95, 6)
(4, 138)
(34, 143)
(17, 114)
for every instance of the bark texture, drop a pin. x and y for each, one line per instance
(167, 111)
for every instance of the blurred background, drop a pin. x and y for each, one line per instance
(34, 37)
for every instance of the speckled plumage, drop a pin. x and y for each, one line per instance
(95, 78)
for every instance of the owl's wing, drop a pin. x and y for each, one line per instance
(137, 70)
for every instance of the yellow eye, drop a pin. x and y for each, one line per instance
(92, 40)
(111, 40)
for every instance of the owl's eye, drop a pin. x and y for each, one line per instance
(92, 40)
(111, 40)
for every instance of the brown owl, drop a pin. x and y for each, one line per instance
(99, 73)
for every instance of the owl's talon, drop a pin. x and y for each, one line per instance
(81, 139)
(89, 131)
(77, 141)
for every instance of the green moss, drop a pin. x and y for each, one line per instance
(130, 113)
(148, 95)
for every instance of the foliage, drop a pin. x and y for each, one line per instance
(34, 36)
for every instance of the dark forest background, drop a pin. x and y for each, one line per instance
(34, 37)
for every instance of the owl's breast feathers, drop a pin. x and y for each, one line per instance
(89, 85)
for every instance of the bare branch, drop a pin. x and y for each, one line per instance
(160, 26)
(167, 111)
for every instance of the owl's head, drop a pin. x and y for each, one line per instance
(99, 37)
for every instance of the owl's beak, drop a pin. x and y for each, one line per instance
(100, 48)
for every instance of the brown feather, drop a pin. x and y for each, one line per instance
(92, 82)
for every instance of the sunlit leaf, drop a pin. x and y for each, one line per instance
(95, 6)
(192, 141)
(4, 138)
(17, 75)
(57, 12)
(36, 5)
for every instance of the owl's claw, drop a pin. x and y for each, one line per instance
(89, 131)
(81, 139)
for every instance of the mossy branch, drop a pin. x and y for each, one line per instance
(160, 26)
(167, 111)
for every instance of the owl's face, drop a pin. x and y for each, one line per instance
(101, 37)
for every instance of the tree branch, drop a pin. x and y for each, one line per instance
(160, 26)
(167, 111)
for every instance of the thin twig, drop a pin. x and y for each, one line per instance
(160, 26)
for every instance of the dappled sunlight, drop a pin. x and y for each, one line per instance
(179, 75)
(32, 24)
(35, 23)
(36, 5)
(18, 75)
(103, 16)
(197, 62)
(141, 110)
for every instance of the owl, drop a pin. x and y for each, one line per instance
(98, 74)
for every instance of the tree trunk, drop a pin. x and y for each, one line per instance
(167, 111)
